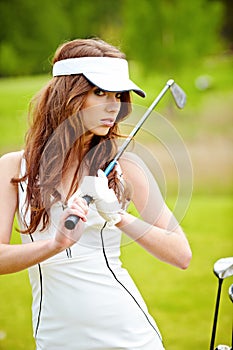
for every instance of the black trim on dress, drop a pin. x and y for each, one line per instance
(41, 295)
(115, 277)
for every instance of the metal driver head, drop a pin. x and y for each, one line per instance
(223, 268)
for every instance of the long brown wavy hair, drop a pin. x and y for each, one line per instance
(55, 139)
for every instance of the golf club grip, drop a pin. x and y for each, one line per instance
(72, 220)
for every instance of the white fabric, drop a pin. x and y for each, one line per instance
(108, 73)
(83, 306)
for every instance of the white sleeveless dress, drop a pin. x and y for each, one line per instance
(82, 297)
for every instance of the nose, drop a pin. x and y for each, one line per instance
(113, 103)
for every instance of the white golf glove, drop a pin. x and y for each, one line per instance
(104, 198)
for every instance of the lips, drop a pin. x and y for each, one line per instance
(109, 122)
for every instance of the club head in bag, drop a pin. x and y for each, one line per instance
(223, 268)
(178, 94)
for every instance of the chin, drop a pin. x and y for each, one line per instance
(102, 132)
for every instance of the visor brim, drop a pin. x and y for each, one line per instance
(113, 83)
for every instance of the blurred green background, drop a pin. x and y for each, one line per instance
(189, 41)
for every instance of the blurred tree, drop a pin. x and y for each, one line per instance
(32, 29)
(227, 28)
(167, 34)
(29, 31)
(171, 33)
(94, 18)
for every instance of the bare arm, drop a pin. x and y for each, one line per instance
(158, 231)
(17, 257)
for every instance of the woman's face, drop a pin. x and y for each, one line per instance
(100, 111)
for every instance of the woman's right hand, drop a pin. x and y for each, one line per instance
(65, 238)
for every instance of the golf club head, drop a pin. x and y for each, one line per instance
(178, 95)
(230, 292)
(223, 268)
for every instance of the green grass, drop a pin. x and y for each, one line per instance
(16, 94)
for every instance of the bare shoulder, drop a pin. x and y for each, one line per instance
(9, 168)
(130, 160)
(136, 172)
(133, 166)
(10, 163)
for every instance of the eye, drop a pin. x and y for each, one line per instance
(99, 92)
(119, 95)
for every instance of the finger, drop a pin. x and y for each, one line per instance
(77, 211)
(80, 204)
(79, 201)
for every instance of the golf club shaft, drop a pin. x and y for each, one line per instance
(137, 127)
(220, 280)
(72, 220)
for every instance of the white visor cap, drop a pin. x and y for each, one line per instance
(108, 73)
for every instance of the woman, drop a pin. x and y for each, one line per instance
(82, 297)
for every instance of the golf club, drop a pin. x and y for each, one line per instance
(226, 347)
(180, 100)
(223, 268)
